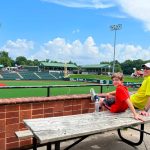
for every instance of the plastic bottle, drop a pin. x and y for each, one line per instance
(97, 105)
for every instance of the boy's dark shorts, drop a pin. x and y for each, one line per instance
(108, 102)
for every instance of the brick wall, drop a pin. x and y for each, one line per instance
(14, 110)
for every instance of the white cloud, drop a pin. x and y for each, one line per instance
(20, 47)
(83, 3)
(86, 52)
(132, 52)
(106, 52)
(58, 49)
(138, 9)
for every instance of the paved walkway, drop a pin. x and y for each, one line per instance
(110, 140)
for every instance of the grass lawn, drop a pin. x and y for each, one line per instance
(31, 92)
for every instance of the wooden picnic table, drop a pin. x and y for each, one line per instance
(56, 129)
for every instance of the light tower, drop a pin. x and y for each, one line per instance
(115, 28)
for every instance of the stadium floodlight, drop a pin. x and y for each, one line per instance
(115, 28)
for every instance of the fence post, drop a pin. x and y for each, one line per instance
(48, 91)
(101, 89)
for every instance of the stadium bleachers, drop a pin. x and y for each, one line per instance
(10, 76)
(28, 75)
(45, 75)
(31, 75)
(50, 75)
(56, 75)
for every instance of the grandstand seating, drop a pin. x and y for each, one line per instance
(28, 75)
(44, 75)
(50, 76)
(56, 75)
(9, 76)
(31, 75)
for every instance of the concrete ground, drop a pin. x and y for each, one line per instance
(110, 140)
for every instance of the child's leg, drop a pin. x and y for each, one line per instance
(108, 102)
(94, 97)
(102, 101)
(105, 102)
(98, 104)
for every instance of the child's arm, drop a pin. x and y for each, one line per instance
(136, 116)
(110, 94)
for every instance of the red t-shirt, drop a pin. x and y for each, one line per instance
(120, 104)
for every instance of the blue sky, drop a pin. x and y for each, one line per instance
(76, 30)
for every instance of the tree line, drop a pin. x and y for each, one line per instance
(126, 67)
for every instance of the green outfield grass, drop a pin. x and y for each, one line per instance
(30, 92)
(11, 93)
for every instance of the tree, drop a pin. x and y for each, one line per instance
(138, 63)
(105, 62)
(53, 61)
(4, 54)
(70, 62)
(5, 59)
(21, 60)
(29, 63)
(47, 60)
(128, 65)
(118, 68)
(36, 62)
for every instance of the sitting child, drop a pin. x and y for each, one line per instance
(118, 100)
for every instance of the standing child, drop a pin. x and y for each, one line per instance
(120, 100)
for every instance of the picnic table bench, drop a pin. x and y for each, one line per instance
(54, 130)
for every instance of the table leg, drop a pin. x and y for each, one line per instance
(49, 147)
(34, 143)
(130, 142)
(57, 145)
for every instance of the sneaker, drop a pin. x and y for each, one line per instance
(94, 97)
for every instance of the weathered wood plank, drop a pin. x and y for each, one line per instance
(66, 127)
(24, 134)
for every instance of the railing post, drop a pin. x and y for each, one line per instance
(101, 90)
(48, 91)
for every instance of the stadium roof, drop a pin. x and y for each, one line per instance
(96, 66)
(49, 64)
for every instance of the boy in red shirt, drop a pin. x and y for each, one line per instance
(116, 101)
